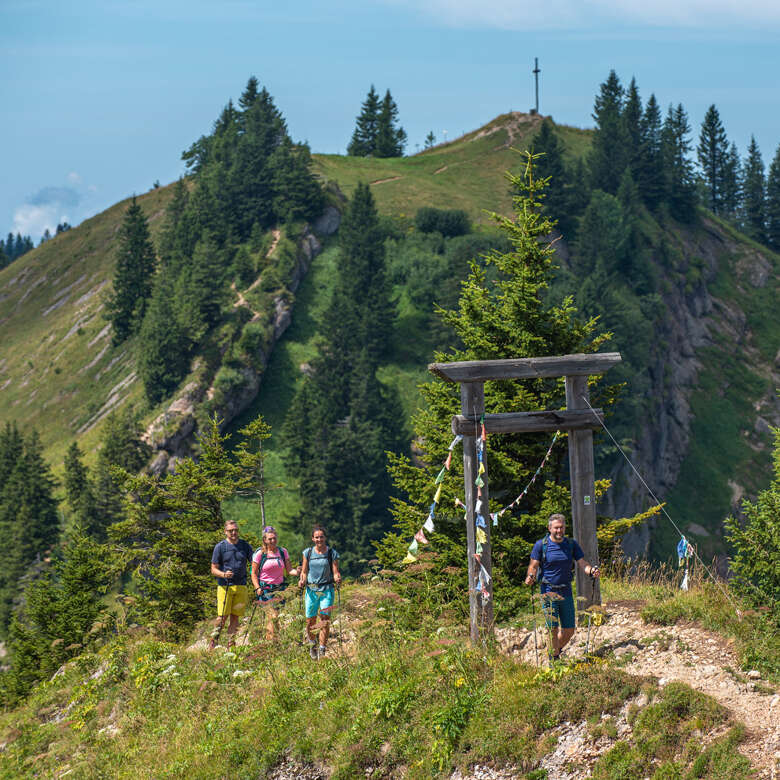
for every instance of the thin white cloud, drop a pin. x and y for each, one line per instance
(588, 15)
(33, 221)
(74, 178)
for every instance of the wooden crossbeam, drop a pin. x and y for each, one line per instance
(531, 422)
(526, 368)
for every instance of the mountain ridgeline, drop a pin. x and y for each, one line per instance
(199, 282)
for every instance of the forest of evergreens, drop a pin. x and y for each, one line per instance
(482, 292)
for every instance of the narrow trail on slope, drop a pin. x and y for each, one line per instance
(684, 652)
(242, 301)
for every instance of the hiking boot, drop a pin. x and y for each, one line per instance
(322, 651)
(313, 651)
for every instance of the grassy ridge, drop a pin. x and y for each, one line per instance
(58, 370)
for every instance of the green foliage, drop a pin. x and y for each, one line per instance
(773, 203)
(133, 276)
(713, 150)
(680, 190)
(501, 313)
(448, 222)
(609, 152)
(377, 133)
(754, 194)
(756, 543)
(62, 615)
(342, 419)
(29, 524)
(173, 523)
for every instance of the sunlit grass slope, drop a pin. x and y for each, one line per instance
(58, 370)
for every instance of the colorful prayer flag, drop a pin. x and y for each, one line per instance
(413, 546)
(420, 537)
(481, 469)
(481, 536)
(440, 476)
(409, 558)
(479, 482)
(428, 525)
(494, 517)
(437, 496)
(455, 441)
(480, 521)
(448, 462)
(479, 548)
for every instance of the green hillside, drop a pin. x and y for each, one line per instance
(58, 370)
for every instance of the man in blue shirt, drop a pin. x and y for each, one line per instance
(555, 557)
(228, 564)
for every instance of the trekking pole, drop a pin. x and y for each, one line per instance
(338, 595)
(251, 618)
(224, 613)
(533, 609)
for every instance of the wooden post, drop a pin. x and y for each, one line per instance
(583, 499)
(472, 399)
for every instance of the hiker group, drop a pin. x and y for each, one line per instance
(553, 560)
(318, 578)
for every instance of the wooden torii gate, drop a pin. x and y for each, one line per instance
(577, 419)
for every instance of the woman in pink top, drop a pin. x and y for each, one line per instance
(269, 565)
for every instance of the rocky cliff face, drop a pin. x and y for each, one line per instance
(172, 433)
(707, 316)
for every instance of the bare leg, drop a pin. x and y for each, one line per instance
(561, 638)
(271, 622)
(325, 630)
(232, 628)
(309, 626)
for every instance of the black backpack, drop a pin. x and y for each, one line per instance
(307, 554)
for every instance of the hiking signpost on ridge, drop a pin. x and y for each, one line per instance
(577, 419)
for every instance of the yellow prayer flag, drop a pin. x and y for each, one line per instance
(409, 558)
(481, 468)
(438, 495)
(481, 536)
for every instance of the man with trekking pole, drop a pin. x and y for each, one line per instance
(229, 565)
(554, 558)
(319, 572)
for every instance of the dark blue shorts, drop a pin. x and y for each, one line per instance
(559, 611)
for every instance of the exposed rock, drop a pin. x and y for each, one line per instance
(328, 222)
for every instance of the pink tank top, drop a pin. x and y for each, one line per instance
(273, 568)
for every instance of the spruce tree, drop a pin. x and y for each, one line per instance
(609, 152)
(679, 186)
(133, 275)
(548, 149)
(713, 151)
(363, 143)
(503, 312)
(773, 203)
(650, 176)
(754, 194)
(390, 139)
(632, 121)
(163, 344)
(732, 183)
(79, 494)
(174, 522)
(430, 140)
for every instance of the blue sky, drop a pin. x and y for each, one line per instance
(100, 98)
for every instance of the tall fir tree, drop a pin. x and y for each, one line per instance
(503, 312)
(632, 121)
(679, 185)
(732, 184)
(390, 138)
(712, 153)
(133, 275)
(550, 166)
(363, 142)
(650, 176)
(29, 521)
(773, 203)
(609, 151)
(754, 194)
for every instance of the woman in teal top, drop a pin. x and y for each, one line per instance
(319, 573)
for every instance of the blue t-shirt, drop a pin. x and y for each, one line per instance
(320, 575)
(557, 569)
(234, 557)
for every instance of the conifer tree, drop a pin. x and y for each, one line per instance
(503, 312)
(550, 166)
(390, 139)
(249, 94)
(430, 140)
(79, 493)
(713, 151)
(29, 523)
(363, 143)
(608, 156)
(773, 203)
(133, 276)
(732, 183)
(632, 121)
(4, 259)
(679, 186)
(754, 194)
(63, 615)
(174, 522)
(650, 176)
(163, 344)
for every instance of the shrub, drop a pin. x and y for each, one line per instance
(448, 222)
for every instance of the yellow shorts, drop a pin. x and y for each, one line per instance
(236, 600)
